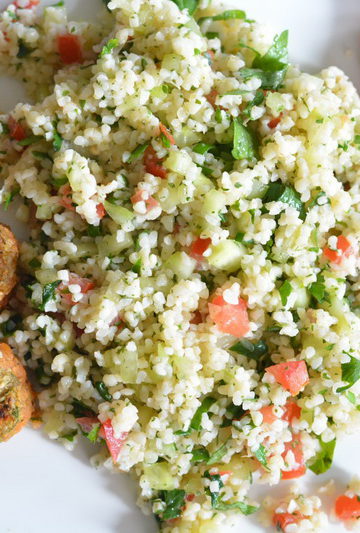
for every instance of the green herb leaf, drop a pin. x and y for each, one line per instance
(110, 45)
(317, 290)
(204, 408)
(261, 454)
(8, 198)
(226, 15)
(93, 434)
(58, 140)
(174, 501)
(48, 293)
(276, 57)
(257, 100)
(24, 50)
(103, 391)
(252, 351)
(323, 459)
(137, 267)
(137, 153)
(285, 290)
(217, 455)
(350, 372)
(278, 192)
(244, 508)
(80, 409)
(351, 397)
(190, 5)
(41, 155)
(200, 455)
(202, 148)
(29, 140)
(269, 80)
(244, 144)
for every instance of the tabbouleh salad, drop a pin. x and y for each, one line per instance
(190, 294)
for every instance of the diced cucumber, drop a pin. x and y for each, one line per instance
(227, 255)
(158, 92)
(122, 363)
(194, 26)
(119, 214)
(187, 136)
(214, 202)
(159, 476)
(302, 297)
(275, 102)
(181, 264)
(171, 62)
(178, 161)
(84, 249)
(109, 246)
(46, 275)
(44, 212)
(203, 184)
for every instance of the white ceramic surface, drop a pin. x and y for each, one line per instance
(44, 488)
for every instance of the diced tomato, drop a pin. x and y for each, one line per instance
(17, 132)
(113, 443)
(229, 318)
(141, 196)
(211, 97)
(282, 520)
(29, 5)
(100, 210)
(347, 508)
(189, 497)
(69, 49)
(86, 285)
(167, 134)
(275, 121)
(198, 247)
(295, 446)
(66, 201)
(152, 163)
(344, 249)
(222, 473)
(291, 411)
(292, 375)
(268, 414)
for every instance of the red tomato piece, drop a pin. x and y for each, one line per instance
(100, 210)
(291, 411)
(167, 134)
(344, 249)
(198, 247)
(211, 97)
(281, 520)
(86, 285)
(347, 508)
(268, 414)
(113, 443)
(152, 163)
(69, 49)
(189, 497)
(295, 446)
(29, 5)
(140, 196)
(275, 121)
(229, 318)
(66, 201)
(292, 375)
(17, 132)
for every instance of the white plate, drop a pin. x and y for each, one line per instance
(45, 489)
